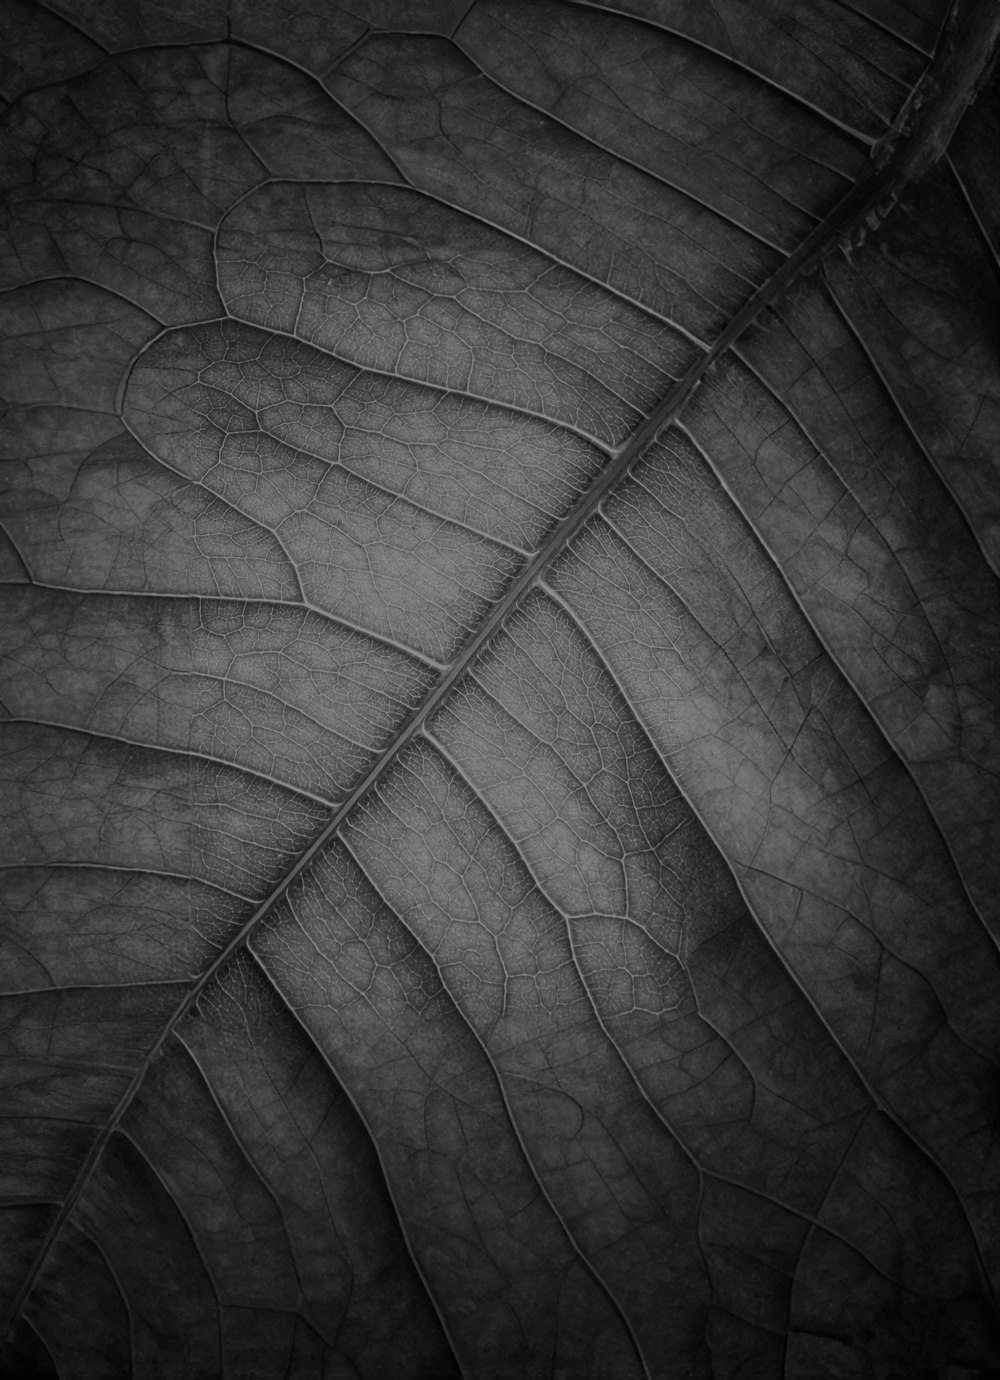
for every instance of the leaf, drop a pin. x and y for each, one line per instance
(500, 639)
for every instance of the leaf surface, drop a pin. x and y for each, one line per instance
(500, 639)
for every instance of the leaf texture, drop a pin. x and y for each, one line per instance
(500, 541)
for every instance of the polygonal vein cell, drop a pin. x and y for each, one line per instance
(393, 280)
(403, 510)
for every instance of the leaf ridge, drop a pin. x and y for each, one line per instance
(762, 76)
(692, 1155)
(171, 750)
(446, 390)
(621, 157)
(498, 1080)
(85, 863)
(992, 247)
(343, 1085)
(991, 558)
(236, 599)
(877, 1100)
(830, 651)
